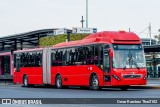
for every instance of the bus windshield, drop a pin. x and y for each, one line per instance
(128, 56)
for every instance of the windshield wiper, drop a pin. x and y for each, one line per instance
(135, 63)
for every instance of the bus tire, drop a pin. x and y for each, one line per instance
(94, 83)
(58, 82)
(25, 81)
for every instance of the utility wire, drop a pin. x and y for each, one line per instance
(143, 30)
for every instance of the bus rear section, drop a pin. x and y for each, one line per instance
(28, 67)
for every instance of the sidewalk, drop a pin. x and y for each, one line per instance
(7, 83)
(153, 78)
(153, 82)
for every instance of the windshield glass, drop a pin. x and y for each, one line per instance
(128, 56)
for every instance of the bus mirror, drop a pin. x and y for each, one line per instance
(17, 70)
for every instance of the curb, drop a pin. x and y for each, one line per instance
(146, 87)
(5, 83)
(153, 78)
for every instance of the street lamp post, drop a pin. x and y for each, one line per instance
(150, 33)
(86, 13)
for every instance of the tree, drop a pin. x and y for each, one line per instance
(157, 36)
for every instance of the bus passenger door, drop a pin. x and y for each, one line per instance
(106, 67)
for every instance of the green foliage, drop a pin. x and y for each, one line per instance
(52, 40)
(74, 37)
(157, 36)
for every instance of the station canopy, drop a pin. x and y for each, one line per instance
(152, 48)
(23, 40)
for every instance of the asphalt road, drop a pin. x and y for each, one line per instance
(16, 91)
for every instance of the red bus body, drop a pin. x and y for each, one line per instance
(79, 75)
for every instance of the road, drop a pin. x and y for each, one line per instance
(154, 82)
(16, 91)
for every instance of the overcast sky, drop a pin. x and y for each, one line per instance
(18, 16)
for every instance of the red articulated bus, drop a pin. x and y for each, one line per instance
(104, 59)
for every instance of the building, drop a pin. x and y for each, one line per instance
(146, 41)
(152, 54)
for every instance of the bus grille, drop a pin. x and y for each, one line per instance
(132, 76)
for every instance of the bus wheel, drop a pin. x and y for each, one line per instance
(25, 81)
(58, 82)
(94, 84)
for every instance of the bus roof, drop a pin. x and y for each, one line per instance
(110, 37)
(28, 50)
(5, 54)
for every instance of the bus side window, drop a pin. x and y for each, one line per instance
(60, 53)
(67, 57)
(106, 61)
(72, 54)
(64, 57)
(81, 56)
(29, 59)
(26, 59)
(14, 60)
(21, 60)
(18, 62)
(101, 56)
(37, 59)
(53, 58)
(96, 54)
(56, 58)
(90, 54)
(40, 57)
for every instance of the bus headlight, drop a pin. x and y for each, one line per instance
(116, 77)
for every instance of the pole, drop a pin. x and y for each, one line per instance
(68, 35)
(129, 30)
(86, 13)
(82, 21)
(150, 33)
